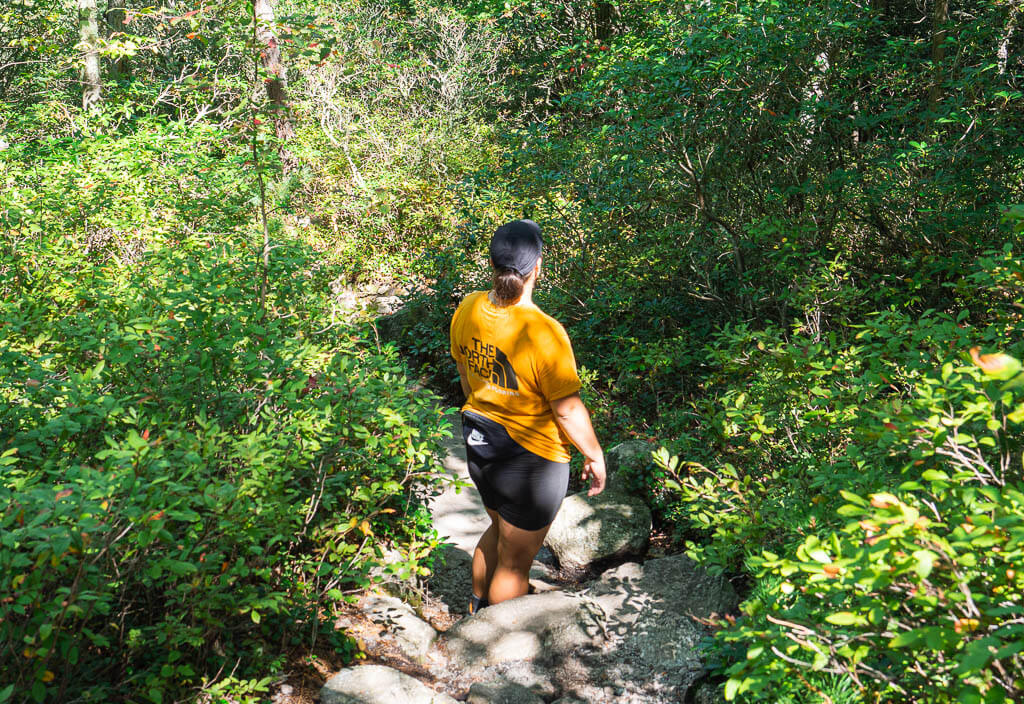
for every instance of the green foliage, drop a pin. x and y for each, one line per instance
(920, 592)
(396, 123)
(912, 591)
(185, 473)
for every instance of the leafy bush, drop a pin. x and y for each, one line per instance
(873, 486)
(920, 594)
(186, 476)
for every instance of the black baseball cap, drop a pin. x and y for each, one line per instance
(517, 246)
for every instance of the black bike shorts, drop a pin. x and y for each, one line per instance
(525, 489)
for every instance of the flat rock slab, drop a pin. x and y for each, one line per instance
(502, 692)
(376, 684)
(536, 626)
(592, 528)
(411, 634)
(652, 613)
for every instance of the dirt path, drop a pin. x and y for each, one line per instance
(459, 515)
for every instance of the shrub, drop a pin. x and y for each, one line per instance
(920, 594)
(873, 486)
(188, 479)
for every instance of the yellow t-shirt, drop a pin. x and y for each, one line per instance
(517, 359)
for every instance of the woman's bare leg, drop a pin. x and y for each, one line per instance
(516, 550)
(485, 557)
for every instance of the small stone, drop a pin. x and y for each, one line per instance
(412, 635)
(542, 578)
(376, 684)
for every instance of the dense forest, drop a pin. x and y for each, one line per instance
(784, 237)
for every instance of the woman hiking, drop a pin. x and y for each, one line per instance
(522, 411)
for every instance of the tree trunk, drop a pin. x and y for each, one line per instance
(1003, 54)
(270, 57)
(604, 16)
(114, 17)
(88, 28)
(940, 15)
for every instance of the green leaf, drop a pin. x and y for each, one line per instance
(924, 561)
(907, 638)
(846, 618)
(1009, 650)
(731, 688)
(852, 498)
(977, 654)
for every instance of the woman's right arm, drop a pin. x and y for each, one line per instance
(463, 379)
(572, 416)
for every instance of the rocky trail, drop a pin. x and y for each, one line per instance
(629, 633)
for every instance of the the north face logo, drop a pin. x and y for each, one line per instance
(490, 363)
(502, 373)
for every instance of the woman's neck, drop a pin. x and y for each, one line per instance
(526, 299)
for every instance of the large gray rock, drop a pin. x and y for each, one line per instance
(629, 456)
(674, 586)
(387, 305)
(651, 611)
(401, 323)
(687, 588)
(452, 581)
(537, 626)
(587, 529)
(412, 635)
(376, 684)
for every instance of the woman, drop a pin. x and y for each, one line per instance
(522, 411)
